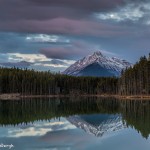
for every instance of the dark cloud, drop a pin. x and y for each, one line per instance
(75, 50)
(48, 9)
(66, 26)
(58, 53)
(58, 16)
(92, 5)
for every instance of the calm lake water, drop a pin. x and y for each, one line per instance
(82, 123)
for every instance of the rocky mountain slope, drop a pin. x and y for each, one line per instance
(97, 64)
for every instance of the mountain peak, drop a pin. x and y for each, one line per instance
(96, 64)
(97, 53)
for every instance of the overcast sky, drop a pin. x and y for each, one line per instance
(52, 34)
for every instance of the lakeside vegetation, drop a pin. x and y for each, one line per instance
(133, 81)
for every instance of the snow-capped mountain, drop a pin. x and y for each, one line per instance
(111, 124)
(97, 64)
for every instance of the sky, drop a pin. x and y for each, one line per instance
(53, 34)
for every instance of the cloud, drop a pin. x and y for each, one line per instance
(75, 50)
(36, 58)
(44, 38)
(130, 12)
(65, 17)
(49, 9)
(74, 18)
(68, 17)
(33, 61)
(27, 57)
(58, 53)
(64, 26)
(133, 12)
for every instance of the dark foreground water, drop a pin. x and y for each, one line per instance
(85, 123)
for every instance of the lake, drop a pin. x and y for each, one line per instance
(75, 123)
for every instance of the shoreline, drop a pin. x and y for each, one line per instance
(17, 96)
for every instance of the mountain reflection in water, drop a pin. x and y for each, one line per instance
(104, 123)
(55, 118)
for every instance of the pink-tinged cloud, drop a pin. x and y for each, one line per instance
(65, 26)
(67, 17)
(74, 50)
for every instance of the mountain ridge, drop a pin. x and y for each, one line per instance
(113, 65)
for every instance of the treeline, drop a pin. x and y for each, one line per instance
(30, 82)
(136, 80)
(133, 81)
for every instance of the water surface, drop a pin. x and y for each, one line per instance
(81, 123)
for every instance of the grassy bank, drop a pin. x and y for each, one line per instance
(17, 96)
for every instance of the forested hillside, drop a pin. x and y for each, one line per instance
(30, 82)
(136, 80)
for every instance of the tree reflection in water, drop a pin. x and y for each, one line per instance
(135, 113)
